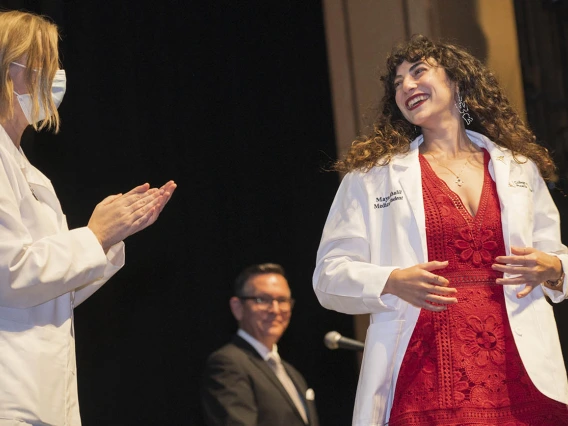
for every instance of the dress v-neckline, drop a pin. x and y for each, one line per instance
(456, 199)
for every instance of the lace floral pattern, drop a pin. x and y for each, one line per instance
(461, 366)
(479, 250)
(483, 340)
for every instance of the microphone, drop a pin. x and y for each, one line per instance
(334, 340)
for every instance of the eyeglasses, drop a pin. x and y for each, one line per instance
(285, 304)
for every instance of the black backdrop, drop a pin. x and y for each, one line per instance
(231, 100)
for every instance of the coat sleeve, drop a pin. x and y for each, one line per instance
(546, 232)
(227, 396)
(345, 280)
(115, 261)
(33, 272)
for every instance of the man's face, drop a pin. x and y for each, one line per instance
(266, 322)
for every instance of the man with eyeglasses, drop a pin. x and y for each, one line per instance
(246, 382)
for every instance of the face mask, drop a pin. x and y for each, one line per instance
(57, 91)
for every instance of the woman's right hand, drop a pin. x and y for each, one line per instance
(418, 286)
(119, 216)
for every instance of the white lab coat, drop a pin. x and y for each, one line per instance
(45, 270)
(377, 224)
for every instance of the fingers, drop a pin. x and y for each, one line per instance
(438, 280)
(433, 308)
(515, 261)
(520, 279)
(110, 199)
(522, 251)
(510, 269)
(444, 291)
(522, 256)
(434, 265)
(435, 303)
(140, 201)
(145, 220)
(139, 189)
(442, 300)
(145, 206)
(525, 291)
(147, 203)
(169, 186)
(142, 194)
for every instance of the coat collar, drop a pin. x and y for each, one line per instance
(32, 175)
(497, 153)
(17, 153)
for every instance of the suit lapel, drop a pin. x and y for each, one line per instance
(302, 389)
(263, 366)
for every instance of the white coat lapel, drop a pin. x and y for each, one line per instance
(501, 163)
(406, 170)
(499, 168)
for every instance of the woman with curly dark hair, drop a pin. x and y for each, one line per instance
(444, 231)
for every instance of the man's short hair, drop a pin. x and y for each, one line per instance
(247, 273)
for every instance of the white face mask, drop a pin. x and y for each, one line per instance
(57, 92)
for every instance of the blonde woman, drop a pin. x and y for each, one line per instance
(45, 268)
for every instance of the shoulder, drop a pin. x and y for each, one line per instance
(363, 178)
(236, 353)
(227, 361)
(229, 353)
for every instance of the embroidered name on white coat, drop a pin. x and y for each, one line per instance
(520, 184)
(382, 202)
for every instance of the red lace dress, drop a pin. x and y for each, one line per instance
(462, 366)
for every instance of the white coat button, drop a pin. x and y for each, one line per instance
(519, 331)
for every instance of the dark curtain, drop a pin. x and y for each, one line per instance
(542, 28)
(230, 99)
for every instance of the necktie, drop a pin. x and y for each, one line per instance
(276, 364)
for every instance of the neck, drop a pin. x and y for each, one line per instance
(268, 343)
(448, 140)
(15, 129)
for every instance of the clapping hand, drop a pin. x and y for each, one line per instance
(119, 216)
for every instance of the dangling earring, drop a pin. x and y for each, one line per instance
(463, 110)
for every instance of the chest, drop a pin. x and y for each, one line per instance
(464, 178)
(39, 208)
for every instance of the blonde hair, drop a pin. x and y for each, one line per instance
(29, 37)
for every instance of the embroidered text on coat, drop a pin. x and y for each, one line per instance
(382, 202)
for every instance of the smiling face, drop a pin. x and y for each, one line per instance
(266, 326)
(424, 93)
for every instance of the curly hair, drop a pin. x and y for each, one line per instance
(492, 113)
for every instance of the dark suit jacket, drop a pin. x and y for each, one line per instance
(240, 388)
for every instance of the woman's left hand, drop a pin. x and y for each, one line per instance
(529, 266)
